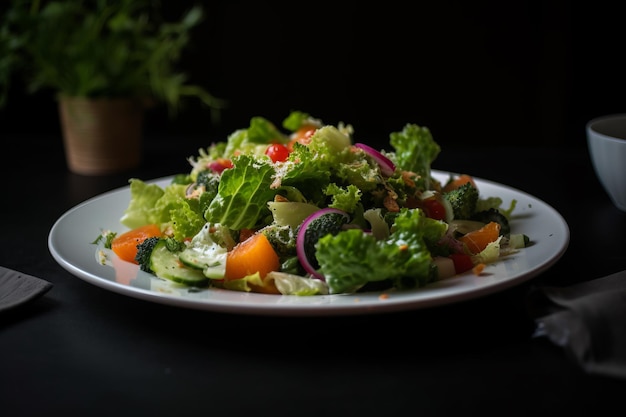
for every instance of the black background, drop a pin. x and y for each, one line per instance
(475, 73)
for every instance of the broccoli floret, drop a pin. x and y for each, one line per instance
(390, 217)
(329, 223)
(209, 180)
(206, 185)
(463, 201)
(144, 251)
(493, 215)
(174, 245)
(205, 188)
(282, 239)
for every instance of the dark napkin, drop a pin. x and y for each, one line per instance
(588, 320)
(17, 288)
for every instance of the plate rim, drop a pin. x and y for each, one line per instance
(361, 303)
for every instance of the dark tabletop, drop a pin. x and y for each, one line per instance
(83, 350)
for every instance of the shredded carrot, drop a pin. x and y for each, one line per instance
(478, 268)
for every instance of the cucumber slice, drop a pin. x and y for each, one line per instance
(518, 240)
(166, 264)
(211, 259)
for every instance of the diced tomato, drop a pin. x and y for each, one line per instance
(220, 165)
(434, 209)
(458, 182)
(245, 234)
(302, 136)
(277, 152)
(462, 262)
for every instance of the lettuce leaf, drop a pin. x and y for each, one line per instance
(142, 208)
(150, 203)
(243, 193)
(415, 149)
(352, 258)
(254, 139)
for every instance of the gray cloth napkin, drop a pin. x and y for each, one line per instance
(17, 288)
(588, 320)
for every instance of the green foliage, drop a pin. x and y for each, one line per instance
(98, 48)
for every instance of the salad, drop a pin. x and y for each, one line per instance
(302, 209)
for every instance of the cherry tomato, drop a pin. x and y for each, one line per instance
(302, 135)
(462, 262)
(434, 209)
(277, 152)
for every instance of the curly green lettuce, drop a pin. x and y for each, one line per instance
(352, 258)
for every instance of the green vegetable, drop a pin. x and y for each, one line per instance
(244, 190)
(328, 223)
(295, 120)
(344, 198)
(493, 215)
(152, 204)
(329, 140)
(404, 258)
(166, 264)
(463, 200)
(141, 209)
(496, 202)
(415, 150)
(282, 239)
(290, 213)
(254, 139)
(210, 181)
(144, 252)
(302, 206)
(518, 240)
(210, 258)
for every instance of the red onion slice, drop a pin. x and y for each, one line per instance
(190, 189)
(386, 166)
(301, 239)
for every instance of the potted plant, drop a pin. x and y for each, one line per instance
(114, 58)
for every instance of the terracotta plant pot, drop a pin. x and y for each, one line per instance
(101, 136)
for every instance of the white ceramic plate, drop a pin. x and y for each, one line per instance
(70, 244)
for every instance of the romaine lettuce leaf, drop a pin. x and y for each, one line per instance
(243, 193)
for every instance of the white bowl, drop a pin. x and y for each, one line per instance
(606, 141)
